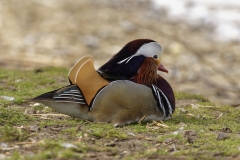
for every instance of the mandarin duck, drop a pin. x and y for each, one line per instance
(124, 90)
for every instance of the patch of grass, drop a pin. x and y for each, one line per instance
(15, 155)
(28, 84)
(13, 116)
(54, 150)
(65, 121)
(101, 140)
(184, 95)
(138, 128)
(9, 133)
(101, 130)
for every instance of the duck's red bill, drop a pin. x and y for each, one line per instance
(162, 68)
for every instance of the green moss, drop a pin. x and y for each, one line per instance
(184, 95)
(54, 150)
(138, 128)
(104, 130)
(9, 133)
(15, 155)
(207, 120)
(31, 84)
(13, 116)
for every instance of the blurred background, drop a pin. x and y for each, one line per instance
(200, 38)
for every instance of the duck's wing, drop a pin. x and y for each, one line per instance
(89, 81)
(70, 94)
(67, 100)
(73, 71)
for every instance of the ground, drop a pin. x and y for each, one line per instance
(41, 40)
(37, 34)
(199, 129)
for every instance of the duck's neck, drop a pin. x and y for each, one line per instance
(147, 73)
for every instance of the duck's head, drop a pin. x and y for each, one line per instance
(128, 60)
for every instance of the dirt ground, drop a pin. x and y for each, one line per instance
(36, 35)
(199, 129)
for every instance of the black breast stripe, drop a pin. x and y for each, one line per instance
(159, 100)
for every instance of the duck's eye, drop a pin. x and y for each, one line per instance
(155, 56)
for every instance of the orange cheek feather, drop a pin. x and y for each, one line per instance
(147, 73)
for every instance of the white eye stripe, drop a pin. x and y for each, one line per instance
(149, 50)
(126, 59)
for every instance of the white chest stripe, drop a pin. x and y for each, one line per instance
(159, 95)
(159, 100)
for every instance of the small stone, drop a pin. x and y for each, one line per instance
(158, 144)
(68, 145)
(190, 133)
(222, 136)
(30, 111)
(210, 129)
(195, 106)
(181, 124)
(34, 128)
(226, 130)
(85, 135)
(175, 132)
(35, 105)
(3, 145)
(110, 145)
(18, 80)
(186, 133)
(168, 140)
(172, 148)
(183, 110)
(56, 129)
(131, 134)
(7, 98)
(91, 155)
(151, 150)
(192, 115)
(125, 152)
(78, 128)
(190, 139)
(180, 128)
(38, 111)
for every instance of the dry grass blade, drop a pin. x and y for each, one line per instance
(50, 115)
(140, 121)
(220, 115)
(162, 125)
(191, 115)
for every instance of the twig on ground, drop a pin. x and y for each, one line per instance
(140, 121)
